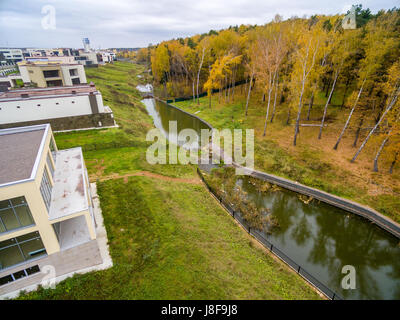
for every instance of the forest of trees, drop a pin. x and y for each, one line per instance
(292, 60)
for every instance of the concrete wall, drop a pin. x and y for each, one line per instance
(67, 77)
(47, 108)
(34, 73)
(24, 74)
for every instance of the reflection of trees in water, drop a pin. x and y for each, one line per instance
(338, 239)
(343, 240)
(184, 121)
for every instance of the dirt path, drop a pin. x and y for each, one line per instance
(150, 175)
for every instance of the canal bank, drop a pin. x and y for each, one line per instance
(332, 211)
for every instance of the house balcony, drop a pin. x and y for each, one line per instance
(70, 209)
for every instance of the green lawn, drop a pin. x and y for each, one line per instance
(168, 239)
(171, 240)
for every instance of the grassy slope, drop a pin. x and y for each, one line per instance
(168, 240)
(312, 162)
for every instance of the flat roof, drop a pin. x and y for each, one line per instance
(69, 191)
(34, 93)
(19, 152)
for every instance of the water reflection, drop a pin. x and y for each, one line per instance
(322, 239)
(162, 114)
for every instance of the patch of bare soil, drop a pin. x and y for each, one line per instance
(146, 174)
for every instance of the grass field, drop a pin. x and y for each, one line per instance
(168, 237)
(312, 162)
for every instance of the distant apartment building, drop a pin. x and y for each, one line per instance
(10, 56)
(51, 73)
(65, 108)
(105, 57)
(36, 52)
(84, 58)
(46, 208)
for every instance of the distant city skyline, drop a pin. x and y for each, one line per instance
(130, 24)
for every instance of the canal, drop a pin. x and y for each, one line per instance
(319, 237)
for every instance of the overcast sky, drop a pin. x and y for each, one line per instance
(136, 23)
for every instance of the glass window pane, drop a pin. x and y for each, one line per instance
(28, 236)
(32, 249)
(24, 215)
(9, 219)
(4, 204)
(5, 280)
(10, 256)
(17, 201)
(2, 229)
(19, 274)
(32, 270)
(7, 243)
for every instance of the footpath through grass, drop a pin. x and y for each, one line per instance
(168, 239)
(312, 162)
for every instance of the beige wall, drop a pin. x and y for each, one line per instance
(34, 73)
(31, 191)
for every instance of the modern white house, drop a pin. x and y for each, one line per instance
(69, 107)
(10, 55)
(46, 208)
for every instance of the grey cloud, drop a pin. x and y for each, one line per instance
(131, 23)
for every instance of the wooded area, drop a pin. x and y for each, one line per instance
(290, 62)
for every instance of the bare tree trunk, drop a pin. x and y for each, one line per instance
(198, 74)
(348, 119)
(328, 84)
(379, 153)
(296, 129)
(271, 85)
(276, 94)
(310, 106)
(393, 162)
(358, 130)
(288, 117)
(391, 104)
(248, 93)
(327, 103)
(194, 95)
(344, 93)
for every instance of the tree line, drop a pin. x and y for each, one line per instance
(292, 60)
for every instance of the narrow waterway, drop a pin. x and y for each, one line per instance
(319, 237)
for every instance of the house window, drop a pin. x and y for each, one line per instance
(50, 73)
(45, 189)
(14, 214)
(50, 165)
(20, 249)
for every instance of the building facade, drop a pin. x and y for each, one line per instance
(72, 107)
(45, 200)
(11, 56)
(52, 73)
